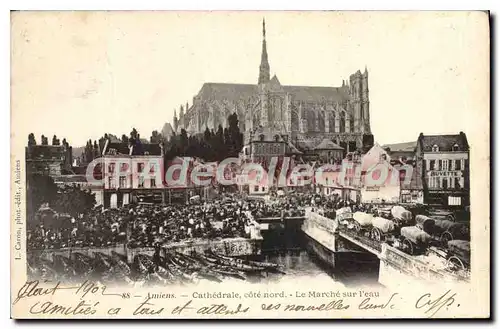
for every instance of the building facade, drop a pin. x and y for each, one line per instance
(131, 179)
(50, 160)
(444, 163)
(270, 111)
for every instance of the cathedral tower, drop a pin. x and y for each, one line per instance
(365, 103)
(264, 74)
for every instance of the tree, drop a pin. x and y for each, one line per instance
(55, 141)
(74, 201)
(89, 152)
(156, 137)
(124, 139)
(40, 189)
(31, 139)
(235, 142)
(134, 134)
(183, 141)
(96, 150)
(218, 144)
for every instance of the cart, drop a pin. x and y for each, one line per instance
(443, 230)
(401, 215)
(413, 240)
(424, 223)
(383, 229)
(458, 255)
(362, 221)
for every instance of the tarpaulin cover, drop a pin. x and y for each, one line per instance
(401, 213)
(415, 235)
(458, 230)
(363, 218)
(460, 247)
(425, 223)
(383, 224)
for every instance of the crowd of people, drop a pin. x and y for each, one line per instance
(147, 225)
(140, 225)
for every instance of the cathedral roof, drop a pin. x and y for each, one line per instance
(229, 91)
(236, 91)
(327, 144)
(167, 130)
(317, 94)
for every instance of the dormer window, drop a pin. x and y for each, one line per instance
(455, 148)
(261, 137)
(435, 148)
(276, 138)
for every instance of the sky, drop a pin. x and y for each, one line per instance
(82, 74)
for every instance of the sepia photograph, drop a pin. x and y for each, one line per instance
(246, 164)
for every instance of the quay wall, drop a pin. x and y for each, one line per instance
(228, 247)
(88, 251)
(397, 268)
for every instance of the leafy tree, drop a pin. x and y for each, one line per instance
(156, 137)
(31, 139)
(74, 201)
(55, 141)
(40, 189)
(124, 139)
(183, 145)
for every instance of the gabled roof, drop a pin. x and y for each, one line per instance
(167, 130)
(444, 142)
(401, 147)
(229, 91)
(317, 94)
(327, 144)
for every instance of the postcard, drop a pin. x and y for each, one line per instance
(250, 164)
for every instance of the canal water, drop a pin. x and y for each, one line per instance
(287, 246)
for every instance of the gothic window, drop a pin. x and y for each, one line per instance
(435, 148)
(342, 122)
(331, 121)
(351, 123)
(295, 120)
(311, 121)
(352, 146)
(321, 121)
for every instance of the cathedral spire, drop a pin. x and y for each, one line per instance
(264, 74)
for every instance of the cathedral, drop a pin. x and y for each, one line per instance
(302, 116)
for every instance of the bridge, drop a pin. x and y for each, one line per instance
(396, 267)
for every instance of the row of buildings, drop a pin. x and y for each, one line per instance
(433, 170)
(314, 125)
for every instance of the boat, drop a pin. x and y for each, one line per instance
(239, 266)
(177, 270)
(203, 271)
(219, 268)
(262, 265)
